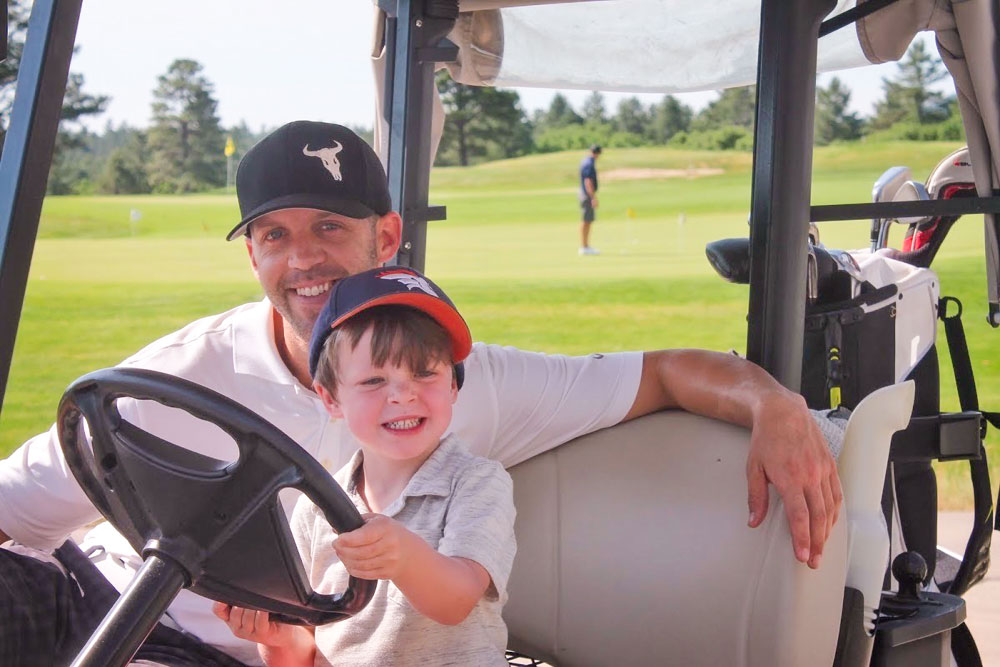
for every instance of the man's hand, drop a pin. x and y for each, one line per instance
(593, 201)
(786, 447)
(788, 450)
(280, 644)
(378, 550)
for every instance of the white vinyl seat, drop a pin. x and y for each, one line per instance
(633, 548)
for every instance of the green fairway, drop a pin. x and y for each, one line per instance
(103, 284)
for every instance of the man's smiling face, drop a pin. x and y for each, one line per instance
(298, 254)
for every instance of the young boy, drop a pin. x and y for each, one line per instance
(386, 356)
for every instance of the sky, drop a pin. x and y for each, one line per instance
(273, 62)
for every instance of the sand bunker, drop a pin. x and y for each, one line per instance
(651, 174)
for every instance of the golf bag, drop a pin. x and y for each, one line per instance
(883, 332)
(874, 324)
(871, 321)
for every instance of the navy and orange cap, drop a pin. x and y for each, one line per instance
(384, 286)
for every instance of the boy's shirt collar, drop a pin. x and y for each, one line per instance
(431, 479)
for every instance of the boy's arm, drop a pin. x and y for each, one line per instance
(443, 588)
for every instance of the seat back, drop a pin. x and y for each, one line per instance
(633, 549)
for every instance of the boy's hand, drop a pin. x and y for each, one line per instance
(256, 626)
(377, 550)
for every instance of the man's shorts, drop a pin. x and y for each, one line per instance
(588, 210)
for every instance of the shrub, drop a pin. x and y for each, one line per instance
(731, 137)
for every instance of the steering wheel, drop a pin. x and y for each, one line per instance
(218, 524)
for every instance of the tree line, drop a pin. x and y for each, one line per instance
(182, 149)
(487, 124)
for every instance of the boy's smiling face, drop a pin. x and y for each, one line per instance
(396, 413)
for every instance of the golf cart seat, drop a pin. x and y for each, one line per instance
(648, 520)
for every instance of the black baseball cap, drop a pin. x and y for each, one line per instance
(595, 148)
(307, 164)
(391, 285)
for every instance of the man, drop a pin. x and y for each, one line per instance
(588, 198)
(316, 208)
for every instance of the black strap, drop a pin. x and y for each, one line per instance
(994, 419)
(976, 560)
(852, 15)
(946, 436)
(963, 647)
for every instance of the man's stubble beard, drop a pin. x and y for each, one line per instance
(303, 326)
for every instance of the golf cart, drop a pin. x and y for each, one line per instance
(587, 590)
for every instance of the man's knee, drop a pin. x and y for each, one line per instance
(38, 603)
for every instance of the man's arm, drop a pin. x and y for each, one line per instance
(588, 187)
(41, 502)
(786, 447)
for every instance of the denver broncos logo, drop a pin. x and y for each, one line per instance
(410, 280)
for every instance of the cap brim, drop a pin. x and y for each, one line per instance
(443, 314)
(346, 207)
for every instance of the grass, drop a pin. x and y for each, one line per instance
(102, 285)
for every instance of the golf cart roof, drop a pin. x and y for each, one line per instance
(664, 46)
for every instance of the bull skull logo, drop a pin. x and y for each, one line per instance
(329, 158)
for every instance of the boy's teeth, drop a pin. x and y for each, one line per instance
(404, 424)
(315, 290)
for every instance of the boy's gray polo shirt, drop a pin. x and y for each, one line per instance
(463, 506)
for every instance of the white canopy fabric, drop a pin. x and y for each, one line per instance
(666, 46)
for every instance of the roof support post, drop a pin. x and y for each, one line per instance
(782, 176)
(415, 29)
(27, 154)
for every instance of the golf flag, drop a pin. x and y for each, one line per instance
(230, 147)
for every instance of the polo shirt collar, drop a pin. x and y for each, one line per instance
(433, 478)
(254, 349)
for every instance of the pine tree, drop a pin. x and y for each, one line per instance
(560, 113)
(735, 106)
(593, 108)
(632, 117)
(908, 96)
(670, 116)
(185, 140)
(480, 123)
(125, 170)
(76, 103)
(833, 121)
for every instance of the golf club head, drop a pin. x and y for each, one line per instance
(912, 191)
(951, 178)
(885, 189)
(954, 170)
(814, 233)
(889, 182)
(846, 262)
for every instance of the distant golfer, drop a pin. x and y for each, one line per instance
(588, 198)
